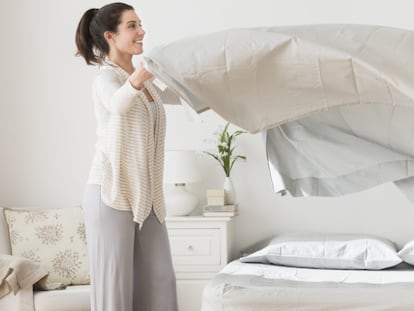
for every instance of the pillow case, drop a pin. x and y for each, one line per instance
(407, 252)
(55, 238)
(328, 251)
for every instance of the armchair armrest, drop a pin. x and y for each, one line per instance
(22, 301)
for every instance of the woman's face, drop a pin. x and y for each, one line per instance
(130, 35)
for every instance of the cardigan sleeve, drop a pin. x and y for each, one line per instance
(117, 97)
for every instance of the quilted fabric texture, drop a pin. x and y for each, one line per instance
(55, 238)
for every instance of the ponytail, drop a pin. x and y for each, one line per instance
(84, 40)
(89, 38)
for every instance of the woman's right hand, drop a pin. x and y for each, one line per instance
(140, 75)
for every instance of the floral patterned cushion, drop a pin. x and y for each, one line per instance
(53, 237)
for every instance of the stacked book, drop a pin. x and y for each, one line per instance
(220, 210)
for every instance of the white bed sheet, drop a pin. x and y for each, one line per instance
(401, 273)
(254, 287)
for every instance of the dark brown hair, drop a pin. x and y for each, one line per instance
(90, 40)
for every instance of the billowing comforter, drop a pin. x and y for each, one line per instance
(335, 102)
(261, 77)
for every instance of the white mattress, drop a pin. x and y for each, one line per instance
(253, 287)
(401, 273)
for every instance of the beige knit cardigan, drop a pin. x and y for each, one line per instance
(129, 157)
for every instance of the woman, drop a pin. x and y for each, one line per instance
(130, 258)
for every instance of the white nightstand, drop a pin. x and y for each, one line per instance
(200, 247)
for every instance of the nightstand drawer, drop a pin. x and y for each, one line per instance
(200, 247)
(195, 246)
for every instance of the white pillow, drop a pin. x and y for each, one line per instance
(407, 252)
(55, 238)
(328, 251)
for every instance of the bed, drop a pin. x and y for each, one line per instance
(248, 286)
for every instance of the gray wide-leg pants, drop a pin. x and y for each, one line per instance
(130, 269)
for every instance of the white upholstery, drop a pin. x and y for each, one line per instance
(73, 298)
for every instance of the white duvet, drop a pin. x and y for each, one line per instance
(261, 77)
(334, 101)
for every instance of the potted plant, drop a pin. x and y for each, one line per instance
(226, 158)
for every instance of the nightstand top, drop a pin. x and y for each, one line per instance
(197, 218)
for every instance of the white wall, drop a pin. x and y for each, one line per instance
(47, 126)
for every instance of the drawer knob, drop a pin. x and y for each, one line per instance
(190, 247)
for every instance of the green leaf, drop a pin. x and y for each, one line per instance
(225, 149)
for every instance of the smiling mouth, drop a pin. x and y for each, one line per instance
(138, 41)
